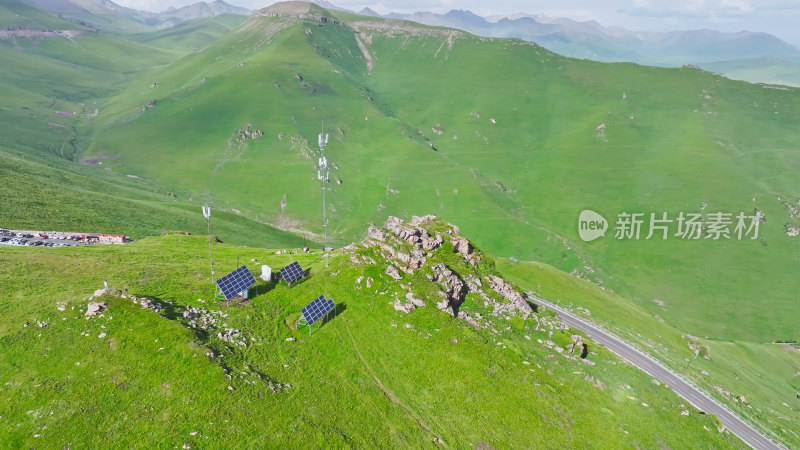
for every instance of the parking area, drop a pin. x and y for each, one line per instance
(21, 238)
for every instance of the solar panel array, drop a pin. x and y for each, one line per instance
(317, 309)
(292, 272)
(235, 282)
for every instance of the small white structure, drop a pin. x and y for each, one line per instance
(266, 273)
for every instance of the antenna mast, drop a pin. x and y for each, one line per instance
(322, 175)
(207, 215)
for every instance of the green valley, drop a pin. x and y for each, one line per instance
(131, 129)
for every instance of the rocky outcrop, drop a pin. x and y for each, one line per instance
(199, 318)
(516, 301)
(95, 308)
(404, 232)
(355, 258)
(418, 221)
(463, 246)
(430, 243)
(409, 246)
(414, 301)
(105, 291)
(414, 260)
(413, 234)
(231, 336)
(577, 346)
(248, 134)
(392, 272)
(409, 305)
(454, 290)
(474, 283)
(376, 233)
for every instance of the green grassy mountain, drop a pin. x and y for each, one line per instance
(518, 157)
(46, 195)
(173, 369)
(17, 14)
(510, 141)
(191, 35)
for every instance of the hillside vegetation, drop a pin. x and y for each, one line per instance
(174, 368)
(131, 133)
(519, 154)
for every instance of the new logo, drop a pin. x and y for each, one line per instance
(591, 225)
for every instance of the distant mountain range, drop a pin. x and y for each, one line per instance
(591, 40)
(84, 11)
(743, 53)
(203, 9)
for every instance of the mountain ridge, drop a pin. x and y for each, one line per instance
(501, 136)
(100, 14)
(547, 31)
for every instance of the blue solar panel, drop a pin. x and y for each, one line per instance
(236, 282)
(317, 309)
(292, 272)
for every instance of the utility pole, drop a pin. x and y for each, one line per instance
(322, 175)
(207, 215)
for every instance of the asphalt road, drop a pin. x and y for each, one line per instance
(694, 396)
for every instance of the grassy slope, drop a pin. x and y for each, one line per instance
(725, 150)
(44, 79)
(52, 87)
(670, 157)
(376, 153)
(192, 35)
(767, 375)
(18, 14)
(359, 381)
(43, 194)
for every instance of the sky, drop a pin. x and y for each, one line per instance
(778, 17)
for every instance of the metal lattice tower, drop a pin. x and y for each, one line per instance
(322, 175)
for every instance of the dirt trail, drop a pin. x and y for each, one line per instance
(364, 50)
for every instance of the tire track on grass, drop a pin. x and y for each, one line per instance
(388, 392)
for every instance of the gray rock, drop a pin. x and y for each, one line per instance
(454, 289)
(376, 233)
(463, 246)
(466, 317)
(419, 221)
(393, 272)
(415, 301)
(146, 303)
(516, 301)
(404, 307)
(398, 228)
(577, 346)
(95, 308)
(430, 243)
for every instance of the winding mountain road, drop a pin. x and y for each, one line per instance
(692, 394)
